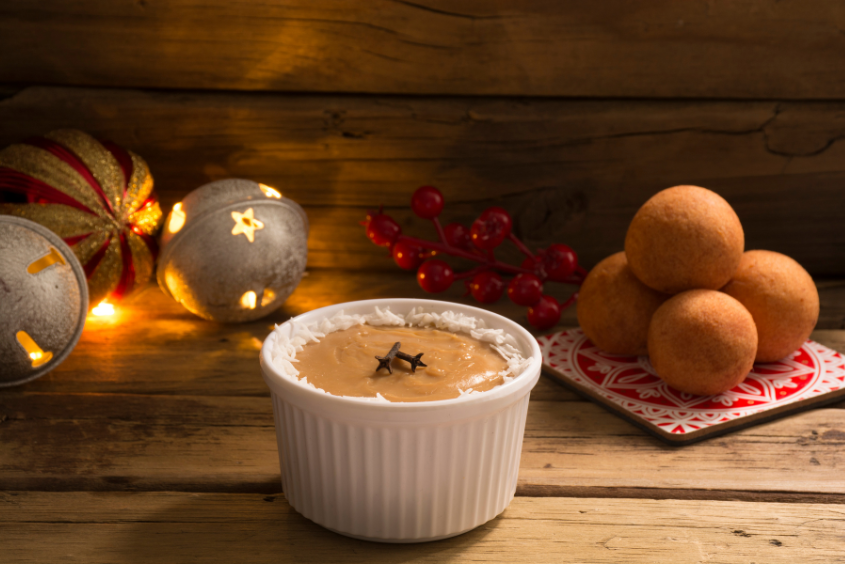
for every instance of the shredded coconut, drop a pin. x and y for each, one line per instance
(284, 347)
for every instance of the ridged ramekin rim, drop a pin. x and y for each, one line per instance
(528, 378)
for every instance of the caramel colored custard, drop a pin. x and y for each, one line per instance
(343, 363)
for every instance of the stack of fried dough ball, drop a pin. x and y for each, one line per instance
(686, 294)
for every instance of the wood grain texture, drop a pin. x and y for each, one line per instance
(197, 357)
(748, 49)
(570, 171)
(69, 442)
(120, 527)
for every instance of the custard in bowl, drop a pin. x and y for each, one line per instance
(405, 453)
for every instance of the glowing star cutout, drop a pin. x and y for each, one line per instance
(270, 192)
(177, 218)
(36, 354)
(247, 224)
(103, 309)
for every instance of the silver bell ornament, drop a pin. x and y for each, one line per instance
(43, 300)
(233, 250)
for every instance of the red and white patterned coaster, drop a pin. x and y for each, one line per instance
(628, 386)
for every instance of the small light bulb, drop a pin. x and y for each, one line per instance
(270, 192)
(248, 300)
(177, 218)
(103, 309)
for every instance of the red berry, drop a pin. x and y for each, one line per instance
(491, 228)
(535, 265)
(525, 290)
(406, 256)
(458, 236)
(559, 262)
(383, 229)
(545, 313)
(435, 276)
(427, 202)
(500, 217)
(487, 287)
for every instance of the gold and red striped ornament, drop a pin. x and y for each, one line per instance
(96, 196)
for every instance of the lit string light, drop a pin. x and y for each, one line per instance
(103, 309)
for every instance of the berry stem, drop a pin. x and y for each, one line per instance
(440, 233)
(569, 301)
(520, 245)
(473, 272)
(454, 251)
(577, 279)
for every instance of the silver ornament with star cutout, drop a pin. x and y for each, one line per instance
(233, 250)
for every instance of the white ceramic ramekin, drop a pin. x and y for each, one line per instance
(401, 472)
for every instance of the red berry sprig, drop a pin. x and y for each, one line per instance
(557, 263)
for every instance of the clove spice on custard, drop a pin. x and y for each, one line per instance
(384, 361)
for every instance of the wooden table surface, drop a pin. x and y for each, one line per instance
(154, 441)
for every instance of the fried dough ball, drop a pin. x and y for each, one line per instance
(702, 342)
(683, 238)
(782, 299)
(614, 308)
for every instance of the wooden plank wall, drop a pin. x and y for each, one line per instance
(570, 114)
(754, 49)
